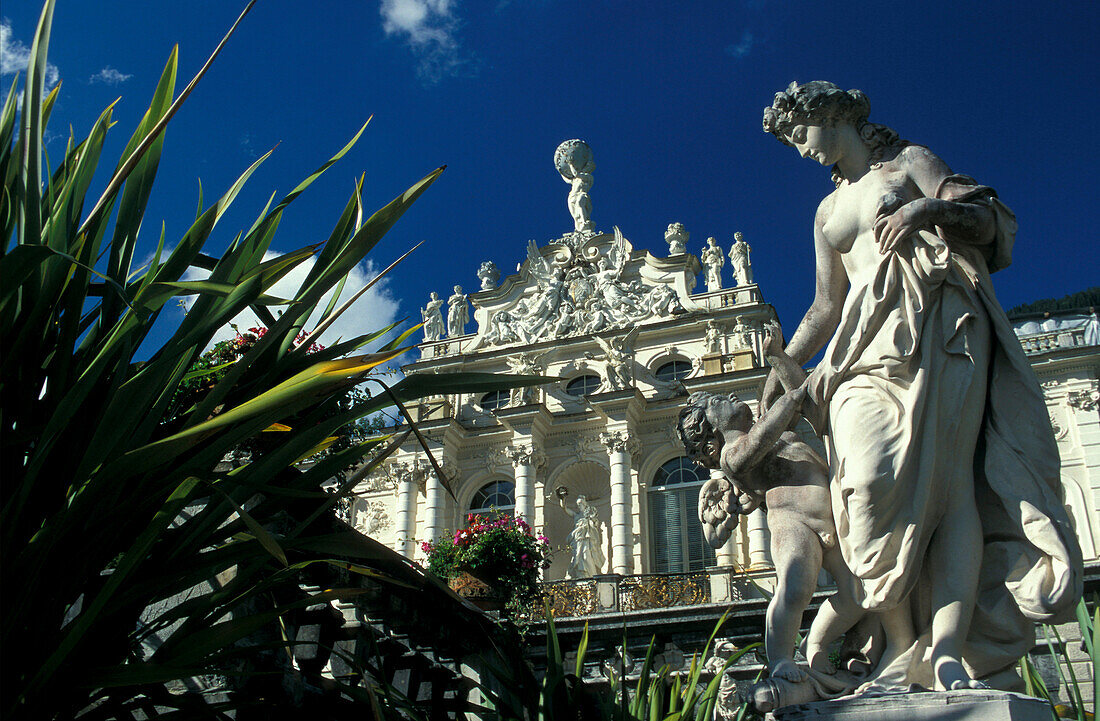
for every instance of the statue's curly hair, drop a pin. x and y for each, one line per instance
(823, 103)
(699, 437)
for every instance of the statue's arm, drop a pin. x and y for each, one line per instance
(823, 316)
(831, 284)
(748, 451)
(973, 221)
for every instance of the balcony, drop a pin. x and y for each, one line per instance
(1053, 340)
(612, 593)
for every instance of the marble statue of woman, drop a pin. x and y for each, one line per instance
(930, 408)
(713, 260)
(432, 316)
(739, 257)
(585, 539)
(458, 313)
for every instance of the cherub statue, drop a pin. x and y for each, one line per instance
(526, 364)
(432, 316)
(458, 313)
(765, 463)
(664, 302)
(713, 260)
(617, 353)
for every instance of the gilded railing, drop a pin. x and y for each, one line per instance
(663, 591)
(571, 598)
(610, 593)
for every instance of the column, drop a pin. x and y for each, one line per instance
(619, 446)
(406, 509)
(759, 538)
(727, 554)
(435, 507)
(525, 460)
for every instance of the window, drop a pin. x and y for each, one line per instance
(498, 495)
(673, 371)
(583, 385)
(496, 399)
(677, 543)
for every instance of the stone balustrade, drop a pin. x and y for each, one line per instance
(1053, 340)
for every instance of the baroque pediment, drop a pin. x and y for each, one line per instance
(585, 282)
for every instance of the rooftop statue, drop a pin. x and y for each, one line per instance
(458, 313)
(906, 314)
(713, 260)
(739, 258)
(574, 162)
(432, 318)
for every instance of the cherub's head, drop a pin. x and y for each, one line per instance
(697, 421)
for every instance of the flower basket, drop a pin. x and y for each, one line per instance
(493, 562)
(483, 593)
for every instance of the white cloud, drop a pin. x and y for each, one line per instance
(110, 76)
(14, 56)
(429, 26)
(742, 47)
(375, 309)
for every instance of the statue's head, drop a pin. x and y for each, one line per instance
(712, 241)
(458, 289)
(815, 103)
(696, 425)
(604, 263)
(820, 108)
(434, 295)
(582, 502)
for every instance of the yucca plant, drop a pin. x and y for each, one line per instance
(659, 695)
(114, 509)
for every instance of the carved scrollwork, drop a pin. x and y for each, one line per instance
(619, 441)
(523, 454)
(1083, 400)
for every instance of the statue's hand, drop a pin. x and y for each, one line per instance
(773, 338)
(897, 226)
(773, 389)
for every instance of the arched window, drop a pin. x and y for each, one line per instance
(673, 371)
(494, 399)
(677, 543)
(583, 385)
(498, 495)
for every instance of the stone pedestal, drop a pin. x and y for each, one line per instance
(974, 705)
(743, 360)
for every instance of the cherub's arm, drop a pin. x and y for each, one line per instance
(791, 375)
(749, 450)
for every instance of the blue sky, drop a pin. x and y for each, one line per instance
(669, 96)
